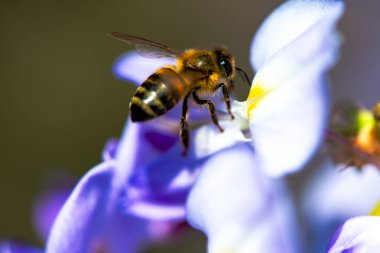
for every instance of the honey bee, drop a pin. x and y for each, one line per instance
(197, 72)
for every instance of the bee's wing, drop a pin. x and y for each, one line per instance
(146, 48)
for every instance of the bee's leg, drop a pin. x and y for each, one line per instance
(226, 98)
(184, 129)
(211, 109)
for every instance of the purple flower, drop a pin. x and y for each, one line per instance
(222, 187)
(14, 246)
(94, 220)
(232, 200)
(49, 201)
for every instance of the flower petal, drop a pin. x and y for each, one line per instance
(110, 149)
(158, 188)
(288, 101)
(142, 144)
(332, 193)
(288, 22)
(135, 68)
(357, 235)
(90, 220)
(13, 246)
(46, 208)
(232, 203)
(334, 196)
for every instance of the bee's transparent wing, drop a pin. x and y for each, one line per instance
(146, 48)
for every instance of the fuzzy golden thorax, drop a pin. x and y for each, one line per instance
(206, 68)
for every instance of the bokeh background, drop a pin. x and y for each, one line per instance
(60, 102)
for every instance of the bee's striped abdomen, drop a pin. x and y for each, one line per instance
(156, 95)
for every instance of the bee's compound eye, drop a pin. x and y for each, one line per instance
(227, 66)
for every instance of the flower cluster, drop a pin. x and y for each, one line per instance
(231, 185)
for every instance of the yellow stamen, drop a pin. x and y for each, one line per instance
(376, 211)
(257, 93)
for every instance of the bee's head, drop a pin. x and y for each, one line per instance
(226, 61)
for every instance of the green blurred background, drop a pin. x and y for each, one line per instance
(60, 101)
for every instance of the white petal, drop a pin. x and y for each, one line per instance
(233, 204)
(134, 68)
(208, 140)
(358, 235)
(288, 22)
(334, 196)
(288, 102)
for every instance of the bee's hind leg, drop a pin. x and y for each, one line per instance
(211, 109)
(226, 98)
(184, 129)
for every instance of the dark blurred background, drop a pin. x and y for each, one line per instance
(60, 101)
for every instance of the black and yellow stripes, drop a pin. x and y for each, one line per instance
(158, 94)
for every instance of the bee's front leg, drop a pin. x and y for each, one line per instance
(211, 108)
(226, 98)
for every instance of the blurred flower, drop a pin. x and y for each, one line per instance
(357, 235)
(47, 204)
(355, 135)
(330, 197)
(14, 246)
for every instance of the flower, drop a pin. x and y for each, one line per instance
(289, 87)
(222, 187)
(94, 218)
(231, 195)
(50, 200)
(347, 186)
(238, 208)
(91, 222)
(13, 246)
(359, 234)
(330, 197)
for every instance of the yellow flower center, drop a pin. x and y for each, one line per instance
(376, 211)
(256, 94)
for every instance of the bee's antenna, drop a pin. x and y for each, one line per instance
(243, 75)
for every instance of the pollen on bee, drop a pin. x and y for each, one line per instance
(214, 77)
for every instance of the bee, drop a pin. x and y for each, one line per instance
(197, 73)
